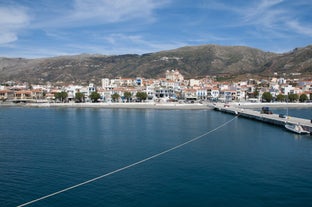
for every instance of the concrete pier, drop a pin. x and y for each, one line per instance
(267, 118)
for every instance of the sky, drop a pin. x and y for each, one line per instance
(48, 28)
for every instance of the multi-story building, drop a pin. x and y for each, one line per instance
(6, 94)
(201, 93)
(71, 91)
(164, 92)
(174, 75)
(213, 93)
(189, 94)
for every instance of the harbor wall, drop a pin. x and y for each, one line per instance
(266, 118)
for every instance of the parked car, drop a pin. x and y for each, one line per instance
(266, 110)
(282, 116)
(226, 105)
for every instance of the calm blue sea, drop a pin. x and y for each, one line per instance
(245, 163)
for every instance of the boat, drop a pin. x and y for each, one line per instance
(296, 128)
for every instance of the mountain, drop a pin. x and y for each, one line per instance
(297, 61)
(192, 62)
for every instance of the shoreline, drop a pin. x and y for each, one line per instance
(114, 105)
(152, 105)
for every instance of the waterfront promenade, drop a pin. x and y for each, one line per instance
(143, 105)
(157, 105)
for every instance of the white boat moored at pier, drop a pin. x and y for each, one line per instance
(296, 128)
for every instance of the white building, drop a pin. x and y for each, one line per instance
(201, 93)
(281, 81)
(105, 82)
(213, 93)
(287, 89)
(194, 82)
(150, 91)
(139, 81)
(174, 75)
(91, 88)
(71, 91)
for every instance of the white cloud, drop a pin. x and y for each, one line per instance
(121, 38)
(299, 28)
(13, 17)
(108, 11)
(123, 43)
(7, 37)
(81, 13)
(11, 21)
(265, 4)
(265, 13)
(278, 18)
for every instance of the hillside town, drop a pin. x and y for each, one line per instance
(172, 88)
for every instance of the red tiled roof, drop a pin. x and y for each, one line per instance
(5, 91)
(23, 92)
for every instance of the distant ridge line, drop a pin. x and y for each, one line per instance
(191, 61)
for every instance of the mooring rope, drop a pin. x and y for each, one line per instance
(128, 166)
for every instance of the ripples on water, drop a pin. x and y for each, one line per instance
(245, 163)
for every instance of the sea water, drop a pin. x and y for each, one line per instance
(244, 163)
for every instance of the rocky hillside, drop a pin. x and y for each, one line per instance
(192, 62)
(297, 61)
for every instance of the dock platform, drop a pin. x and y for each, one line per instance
(266, 118)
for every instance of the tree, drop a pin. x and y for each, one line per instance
(127, 95)
(267, 97)
(280, 97)
(79, 97)
(141, 96)
(61, 96)
(115, 97)
(94, 96)
(303, 98)
(255, 94)
(293, 97)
